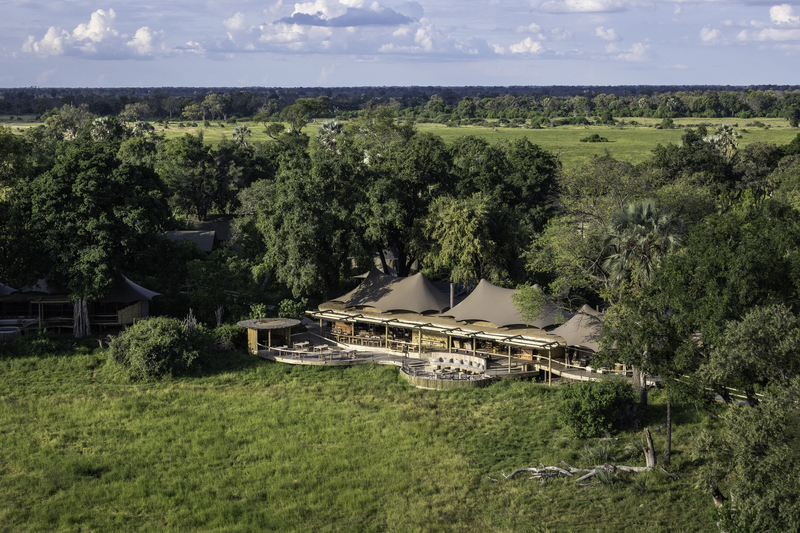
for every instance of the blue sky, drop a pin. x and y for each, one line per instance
(77, 43)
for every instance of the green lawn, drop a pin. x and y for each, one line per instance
(259, 446)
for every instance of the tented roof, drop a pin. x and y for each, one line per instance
(589, 310)
(386, 293)
(581, 330)
(5, 290)
(131, 292)
(493, 304)
(415, 294)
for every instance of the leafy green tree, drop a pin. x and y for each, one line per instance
(308, 223)
(80, 224)
(757, 454)
(473, 239)
(108, 129)
(760, 350)
(594, 408)
(301, 112)
(402, 184)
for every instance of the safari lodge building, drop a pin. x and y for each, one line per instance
(411, 316)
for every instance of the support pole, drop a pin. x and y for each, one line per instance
(419, 344)
(449, 344)
(509, 359)
(387, 336)
(549, 368)
(269, 338)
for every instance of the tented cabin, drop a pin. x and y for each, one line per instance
(30, 306)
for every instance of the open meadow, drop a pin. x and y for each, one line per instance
(626, 142)
(258, 446)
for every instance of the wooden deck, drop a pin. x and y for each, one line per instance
(345, 354)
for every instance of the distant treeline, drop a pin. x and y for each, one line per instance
(539, 105)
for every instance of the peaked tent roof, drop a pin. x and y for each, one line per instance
(388, 293)
(5, 290)
(131, 292)
(589, 310)
(374, 287)
(415, 294)
(493, 304)
(581, 330)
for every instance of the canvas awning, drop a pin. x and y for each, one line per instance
(131, 292)
(581, 330)
(493, 304)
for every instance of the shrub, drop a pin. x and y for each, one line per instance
(593, 408)
(594, 138)
(230, 336)
(34, 344)
(161, 346)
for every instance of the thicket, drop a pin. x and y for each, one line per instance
(162, 346)
(594, 408)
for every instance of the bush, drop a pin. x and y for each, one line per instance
(34, 344)
(161, 346)
(593, 408)
(229, 337)
(594, 138)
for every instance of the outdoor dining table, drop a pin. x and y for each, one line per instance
(303, 344)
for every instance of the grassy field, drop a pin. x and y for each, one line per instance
(629, 143)
(257, 446)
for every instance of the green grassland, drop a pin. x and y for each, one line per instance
(258, 446)
(632, 143)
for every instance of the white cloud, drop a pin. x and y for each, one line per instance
(583, 6)
(774, 34)
(531, 28)
(52, 44)
(612, 48)
(637, 53)
(526, 46)
(96, 38)
(783, 14)
(235, 23)
(560, 34)
(99, 27)
(607, 34)
(144, 41)
(709, 35)
(498, 49)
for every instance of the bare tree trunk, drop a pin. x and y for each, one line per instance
(80, 312)
(668, 451)
(268, 277)
(649, 452)
(640, 383)
(382, 255)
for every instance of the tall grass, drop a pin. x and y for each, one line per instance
(251, 445)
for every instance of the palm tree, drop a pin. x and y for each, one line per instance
(724, 140)
(326, 134)
(240, 133)
(638, 239)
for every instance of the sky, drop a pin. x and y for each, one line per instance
(336, 43)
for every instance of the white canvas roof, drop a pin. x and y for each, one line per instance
(581, 330)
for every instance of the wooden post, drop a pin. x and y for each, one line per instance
(387, 336)
(449, 344)
(549, 368)
(474, 346)
(269, 338)
(420, 342)
(252, 340)
(509, 358)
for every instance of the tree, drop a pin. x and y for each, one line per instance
(308, 224)
(80, 224)
(756, 454)
(792, 114)
(107, 129)
(638, 239)
(240, 134)
(472, 239)
(327, 133)
(300, 113)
